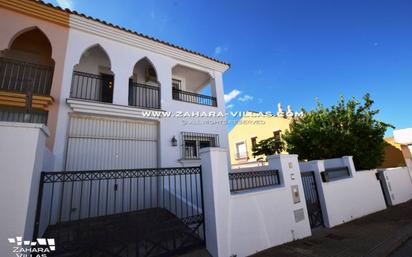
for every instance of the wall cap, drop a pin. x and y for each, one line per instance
(42, 127)
(282, 156)
(212, 149)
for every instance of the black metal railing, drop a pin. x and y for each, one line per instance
(142, 212)
(18, 76)
(192, 142)
(240, 181)
(335, 174)
(88, 87)
(20, 115)
(191, 97)
(144, 96)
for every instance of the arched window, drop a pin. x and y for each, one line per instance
(92, 76)
(144, 90)
(27, 65)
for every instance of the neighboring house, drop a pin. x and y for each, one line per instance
(393, 154)
(252, 128)
(92, 82)
(404, 138)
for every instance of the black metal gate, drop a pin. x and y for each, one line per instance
(312, 199)
(144, 212)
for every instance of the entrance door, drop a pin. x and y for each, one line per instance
(107, 88)
(312, 199)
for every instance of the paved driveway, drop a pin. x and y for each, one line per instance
(378, 234)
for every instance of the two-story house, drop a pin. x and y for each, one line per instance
(251, 129)
(92, 82)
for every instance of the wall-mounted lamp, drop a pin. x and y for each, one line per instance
(174, 141)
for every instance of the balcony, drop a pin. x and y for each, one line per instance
(144, 96)
(92, 87)
(22, 77)
(190, 97)
(193, 86)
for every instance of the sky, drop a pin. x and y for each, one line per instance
(286, 51)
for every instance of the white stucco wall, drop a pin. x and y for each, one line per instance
(348, 198)
(123, 58)
(398, 185)
(21, 157)
(244, 223)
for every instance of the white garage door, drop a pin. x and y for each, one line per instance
(96, 143)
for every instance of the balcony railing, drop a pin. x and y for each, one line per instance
(19, 76)
(144, 96)
(191, 97)
(89, 87)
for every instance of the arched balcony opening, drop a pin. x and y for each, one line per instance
(26, 75)
(144, 88)
(92, 77)
(193, 86)
(27, 64)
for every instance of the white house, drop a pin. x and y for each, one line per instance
(93, 82)
(404, 138)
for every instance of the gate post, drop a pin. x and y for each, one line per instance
(291, 179)
(216, 193)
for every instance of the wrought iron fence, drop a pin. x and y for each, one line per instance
(88, 86)
(21, 77)
(240, 181)
(142, 212)
(191, 97)
(144, 96)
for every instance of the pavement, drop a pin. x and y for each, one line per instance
(382, 234)
(387, 233)
(404, 250)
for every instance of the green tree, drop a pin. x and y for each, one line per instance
(347, 128)
(268, 147)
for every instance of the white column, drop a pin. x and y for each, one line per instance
(22, 150)
(217, 89)
(216, 194)
(121, 85)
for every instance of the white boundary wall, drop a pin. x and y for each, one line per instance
(242, 224)
(397, 184)
(348, 198)
(21, 157)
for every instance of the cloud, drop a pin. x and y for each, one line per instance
(246, 98)
(219, 50)
(66, 4)
(232, 95)
(229, 106)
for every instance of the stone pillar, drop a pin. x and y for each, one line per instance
(22, 152)
(216, 194)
